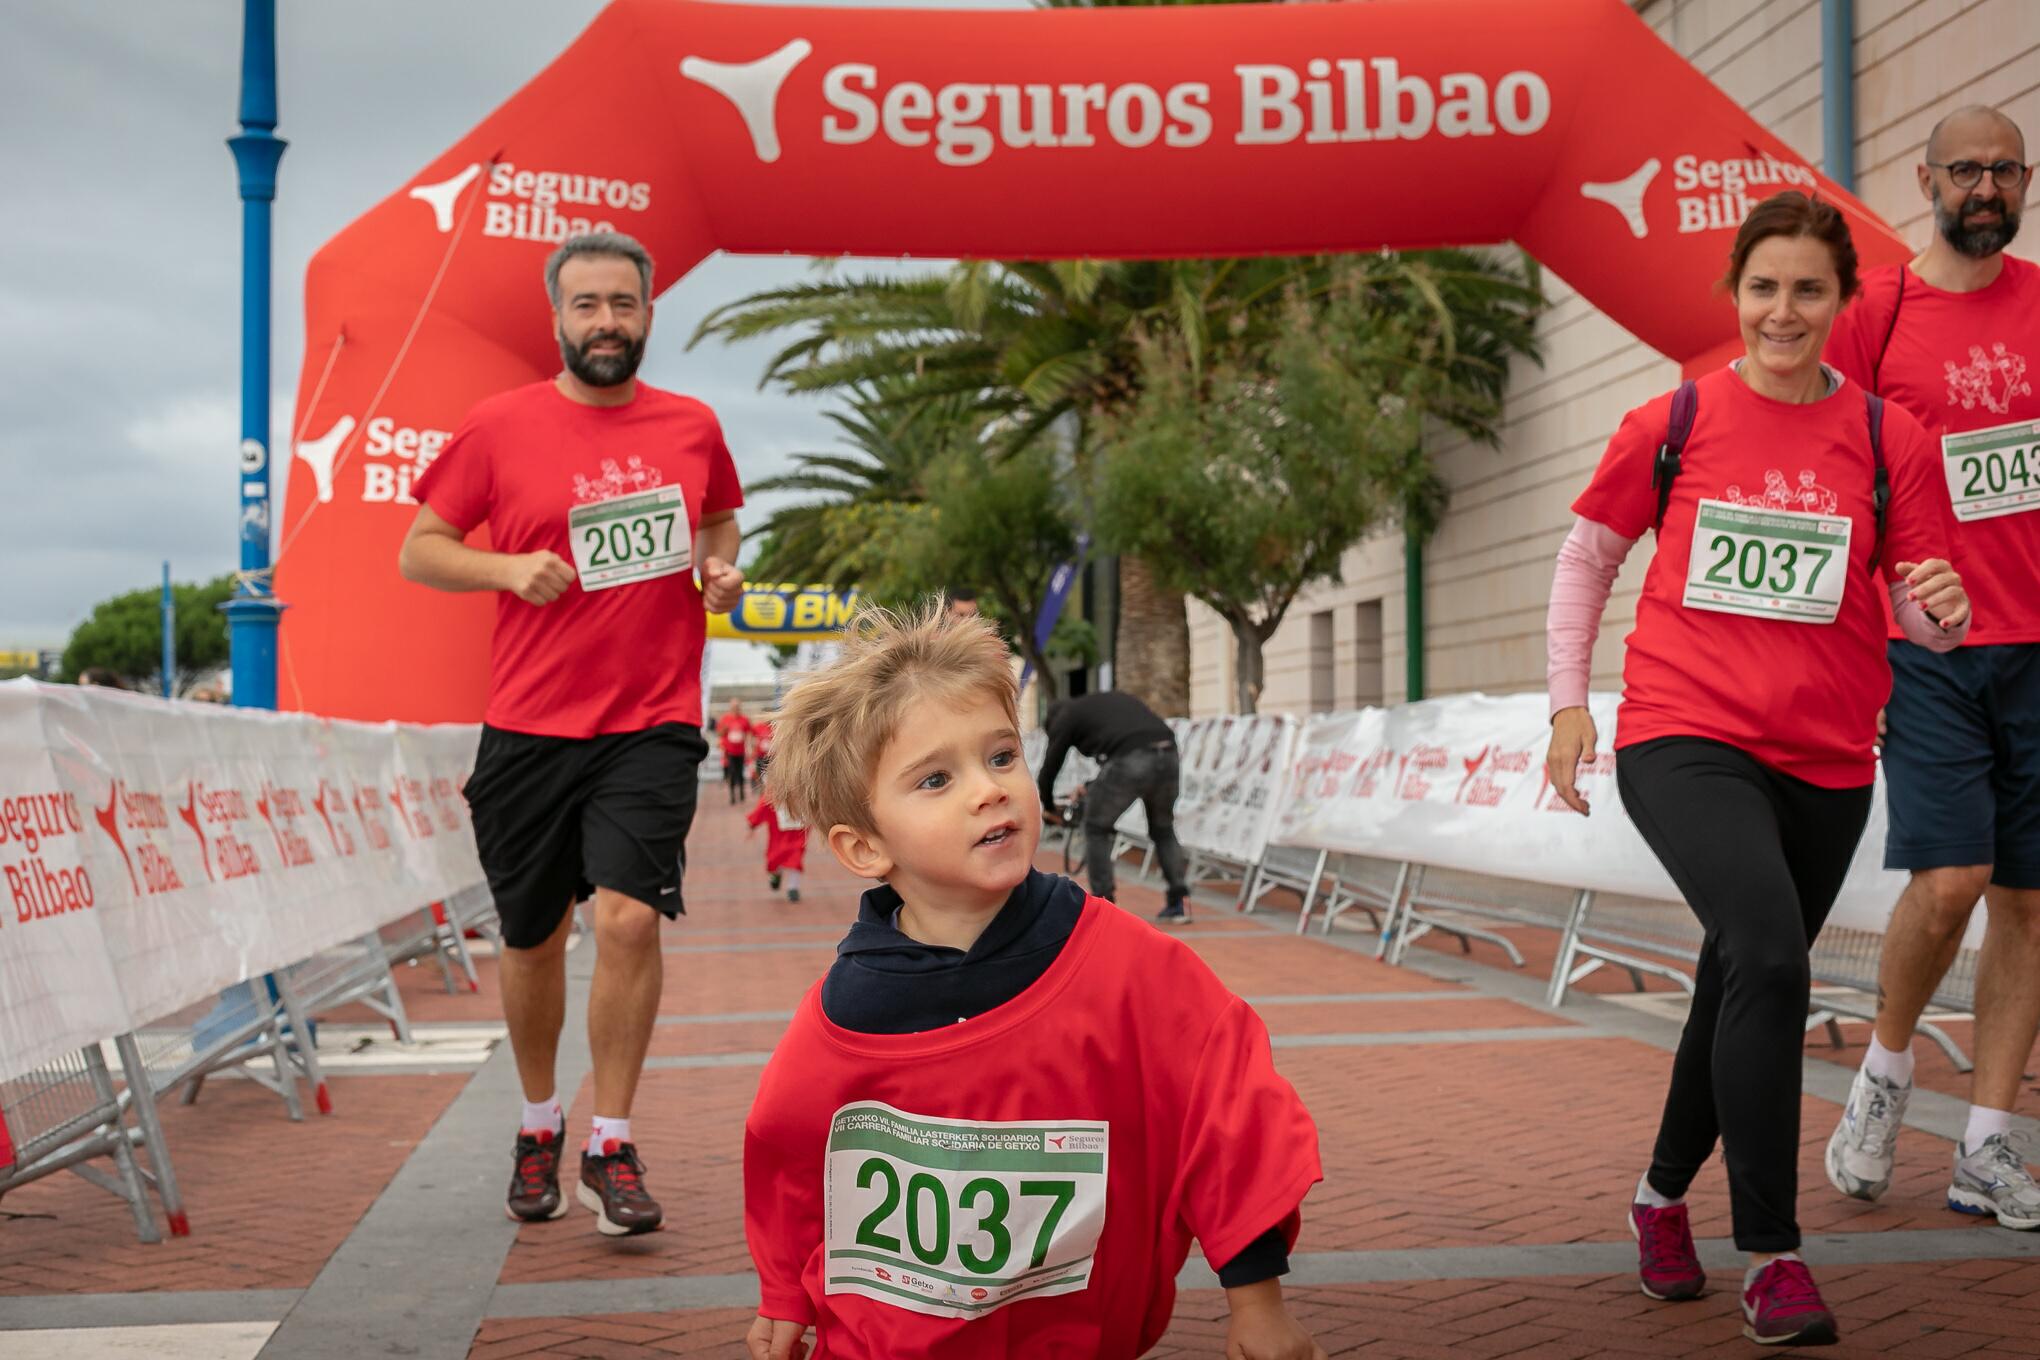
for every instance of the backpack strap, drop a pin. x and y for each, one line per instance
(1665, 470)
(1880, 491)
(1890, 329)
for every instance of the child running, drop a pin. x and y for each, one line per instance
(785, 845)
(996, 1124)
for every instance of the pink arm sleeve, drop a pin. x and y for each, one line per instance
(1587, 562)
(1918, 628)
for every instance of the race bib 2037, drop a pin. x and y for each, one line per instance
(626, 539)
(957, 1218)
(1768, 564)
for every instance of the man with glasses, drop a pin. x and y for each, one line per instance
(1954, 337)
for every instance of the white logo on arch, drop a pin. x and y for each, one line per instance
(442, 196)
(753, 87)
(1626, 196)
(318, 455)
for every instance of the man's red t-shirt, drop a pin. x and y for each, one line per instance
(1799, 695)
(617, 657)
(1026, 1182)
(735, 730)
(761, 739)
(1965, 364)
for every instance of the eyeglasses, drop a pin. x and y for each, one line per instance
(1968, 174)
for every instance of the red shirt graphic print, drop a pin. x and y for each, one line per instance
(621, 650)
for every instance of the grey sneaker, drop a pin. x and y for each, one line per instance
(1994, 1180)
(1859, 1156)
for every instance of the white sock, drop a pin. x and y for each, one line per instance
(1892, 1065)
(793, 880)
(545, 1115)
(607, 1131)
(1985, 1122)
(1645, 1194)
(1750, 1275)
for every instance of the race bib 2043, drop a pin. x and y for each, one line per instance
(957, 1218)
(1768, 564)
(1993, 472)
(626, 539)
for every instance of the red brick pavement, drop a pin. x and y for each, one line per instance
(1425, 1145)
(1969, 1308)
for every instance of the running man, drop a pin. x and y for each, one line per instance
(584, 782)
(1954, 338)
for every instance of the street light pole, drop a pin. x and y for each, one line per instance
(253, 612)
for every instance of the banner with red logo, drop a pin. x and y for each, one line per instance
(155, 852)
(1567, 126)
(1460, 783)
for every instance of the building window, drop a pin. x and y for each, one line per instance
(1367, 655)
(1322, 695)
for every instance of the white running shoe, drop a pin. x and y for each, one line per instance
(1860, 1154)
(1994, 1180)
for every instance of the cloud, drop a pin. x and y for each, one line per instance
(120, 311)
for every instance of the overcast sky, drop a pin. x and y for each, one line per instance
(120, 298)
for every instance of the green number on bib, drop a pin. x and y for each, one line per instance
(1821, 555)
(1062, 1192)
(937, 1253)
(619, 542)
(1750, 580)
(1787, 558)
(647, 544)
(2024, 477)
(1974, 467)
(1718, 573)
(993, 1223)
(595, 548)
(867, 1231)
(666, 544)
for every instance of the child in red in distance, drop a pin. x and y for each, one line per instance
(997, 1124)
(786, 840)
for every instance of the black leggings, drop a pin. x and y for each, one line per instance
(1759, 857)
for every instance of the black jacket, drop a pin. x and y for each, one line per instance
(1100, 726)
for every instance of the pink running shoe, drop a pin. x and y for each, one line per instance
(1669, 1268)
(1781, 1307)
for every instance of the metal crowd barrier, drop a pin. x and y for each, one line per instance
(67, 1114)
(1637, 935)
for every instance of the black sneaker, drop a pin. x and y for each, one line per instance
(613, 1185)
(1174, 914)
(535, 1185)
(793, 894)
(774, 881)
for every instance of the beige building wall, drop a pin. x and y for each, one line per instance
(1488, 570)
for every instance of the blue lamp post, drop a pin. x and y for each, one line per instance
(252, 613)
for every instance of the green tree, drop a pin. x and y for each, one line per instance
(1245, 479)
(124, 634)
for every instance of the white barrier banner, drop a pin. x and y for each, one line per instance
(1234, 769)
(1460, 783)
(213, 845)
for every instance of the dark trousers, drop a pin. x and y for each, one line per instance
(733, 774)
(1759, 857)
(1149, 775)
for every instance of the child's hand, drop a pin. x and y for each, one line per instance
(772, 1339)
(1261, 1328)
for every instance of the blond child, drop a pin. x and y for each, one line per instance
(996, 1125)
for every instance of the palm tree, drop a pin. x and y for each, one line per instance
(1031, 345)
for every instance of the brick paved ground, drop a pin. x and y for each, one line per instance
(1454, 1115)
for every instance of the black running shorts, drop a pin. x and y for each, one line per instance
(558, 817)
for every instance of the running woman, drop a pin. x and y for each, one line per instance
(1954, 338)
(603, 497)
(1745, 755)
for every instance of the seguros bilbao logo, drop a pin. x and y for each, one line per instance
(1712, 195)
(523, 204)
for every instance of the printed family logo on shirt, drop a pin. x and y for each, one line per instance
(1807, 494)
(1991, 379)
(958, 1218)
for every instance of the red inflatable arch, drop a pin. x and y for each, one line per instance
(1566, 126)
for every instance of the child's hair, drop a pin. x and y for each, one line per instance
(827, 737)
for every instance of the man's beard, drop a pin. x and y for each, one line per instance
(602, 370)
(1983, 240)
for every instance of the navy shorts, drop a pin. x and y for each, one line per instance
(1962, 760)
